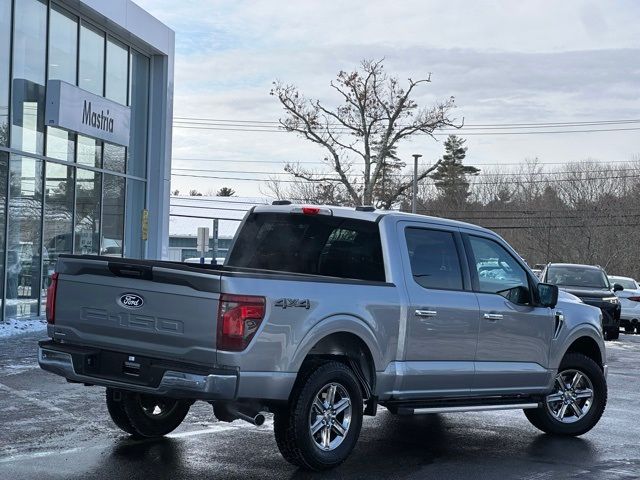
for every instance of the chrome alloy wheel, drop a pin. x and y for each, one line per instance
(330, 416)
(156, 407)
(572, 396)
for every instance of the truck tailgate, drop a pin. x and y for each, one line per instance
(146, 308)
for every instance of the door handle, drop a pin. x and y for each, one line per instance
(493, 316)
(426, 313)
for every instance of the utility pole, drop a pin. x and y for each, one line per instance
(414, 203)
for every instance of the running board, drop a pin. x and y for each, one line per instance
(460, 408)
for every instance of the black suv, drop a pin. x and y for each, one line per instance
(591, 285)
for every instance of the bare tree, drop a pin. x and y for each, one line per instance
(362, 134)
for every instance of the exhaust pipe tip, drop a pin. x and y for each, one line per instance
(259, 419)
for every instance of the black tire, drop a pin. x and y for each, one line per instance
(140, 412)
(117, 413)
(544, 420)
(292, 422)
(629, 329)
(614, 334)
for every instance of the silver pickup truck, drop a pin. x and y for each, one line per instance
(319, 315)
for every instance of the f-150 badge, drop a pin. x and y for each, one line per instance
(285, 303)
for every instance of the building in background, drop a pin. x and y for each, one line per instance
(222, 215)
(86, 99)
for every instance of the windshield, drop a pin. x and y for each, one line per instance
(627, 283)
(577, 277)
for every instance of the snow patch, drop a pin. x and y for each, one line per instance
(14, 326)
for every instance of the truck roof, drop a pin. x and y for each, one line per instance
(579, 265)
(371, 215)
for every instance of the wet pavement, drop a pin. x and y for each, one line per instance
(50, 429)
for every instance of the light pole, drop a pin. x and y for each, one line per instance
(414, 202)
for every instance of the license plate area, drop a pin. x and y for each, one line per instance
(123, 367)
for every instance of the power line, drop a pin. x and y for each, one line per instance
(209, 218)
(522, 227)
(404, 175)
(467, 125)
(342, 129)
(212, 207)
(460, 218)
(522, 181)
(283, 130)
(295, 162)
(205, 199)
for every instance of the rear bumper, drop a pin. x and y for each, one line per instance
(66, 361)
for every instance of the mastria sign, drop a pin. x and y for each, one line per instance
(77, 110)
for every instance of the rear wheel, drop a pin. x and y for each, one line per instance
(629, 329)
(614, 334)
(577, 401)
(117, 413)
(152, 416)
(320, 426)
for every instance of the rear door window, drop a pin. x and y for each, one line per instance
(316, 245)
(434, 259)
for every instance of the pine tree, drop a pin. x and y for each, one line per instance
(451, 175)
(226, 192)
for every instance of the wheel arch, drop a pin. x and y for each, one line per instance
(588, 346)
(348, 340)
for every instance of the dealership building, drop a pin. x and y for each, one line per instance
(86, 100)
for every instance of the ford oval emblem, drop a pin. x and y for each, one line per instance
(131, 300)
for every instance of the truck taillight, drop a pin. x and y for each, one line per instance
(51, 299)
(239, 317)
(635, 299)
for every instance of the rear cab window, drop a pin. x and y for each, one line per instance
(310, 244)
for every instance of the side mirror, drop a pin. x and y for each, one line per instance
(547, 295)
(617, 287)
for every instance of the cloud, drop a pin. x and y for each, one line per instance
(504, 61)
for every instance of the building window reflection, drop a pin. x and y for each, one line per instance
(112, 216)
(87, 221)
(63, 45)
(28, 76)
(5, 44)
(23, 239)
(91, 60)
(57, 229)
(117, 72)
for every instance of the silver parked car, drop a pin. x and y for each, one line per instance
(630, 302)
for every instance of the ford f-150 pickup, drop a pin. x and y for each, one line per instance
(319, 315)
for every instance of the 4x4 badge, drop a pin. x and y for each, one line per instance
(293, 302)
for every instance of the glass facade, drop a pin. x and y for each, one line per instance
(62, 192)
(5, 45)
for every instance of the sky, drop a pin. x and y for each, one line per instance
(526, 61)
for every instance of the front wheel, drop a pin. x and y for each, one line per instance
(152, 416)
(320, 426)
(577, 401)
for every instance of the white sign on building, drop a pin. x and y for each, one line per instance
(77, 110)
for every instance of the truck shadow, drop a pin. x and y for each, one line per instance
(397, 447)
(389, 447)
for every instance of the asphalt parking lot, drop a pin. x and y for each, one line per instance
(53, 430)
